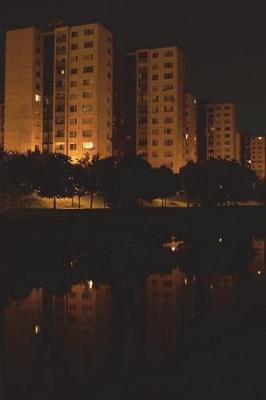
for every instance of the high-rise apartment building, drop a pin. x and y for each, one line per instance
(254, 154)
(190, 131)
(71, 69)
(23, 90)
(158, 87)
(218, 122)
(83, 91)
(2, 122)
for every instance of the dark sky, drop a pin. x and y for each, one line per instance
(225, 43)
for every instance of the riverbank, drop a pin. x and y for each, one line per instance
(101, 224)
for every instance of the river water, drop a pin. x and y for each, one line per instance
(139, 319)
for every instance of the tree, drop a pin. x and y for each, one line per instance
(15, 175)
(217, 181)
(54, 176)
(260, 191)
(165, 183)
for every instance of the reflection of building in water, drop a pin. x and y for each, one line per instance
(168, 306)
(258, 263)
(221, 289)
(22, 331)
(83, 323)
(51, 337)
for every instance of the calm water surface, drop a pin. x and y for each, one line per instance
(170, 318)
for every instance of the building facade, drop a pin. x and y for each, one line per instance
(190, 132)
(254, 154)
(59, 90)
(23, 90)
(218, 125)
(2, 122)
(83, 91)
(159, 80)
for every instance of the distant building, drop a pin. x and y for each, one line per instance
(254, 154)
(158, 88)
(2, 123)
(218, 132)
(23, 90)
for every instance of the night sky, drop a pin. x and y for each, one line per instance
(225, 43)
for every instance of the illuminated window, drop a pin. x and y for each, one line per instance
(38, 98)
(87, 107)
(87, 145)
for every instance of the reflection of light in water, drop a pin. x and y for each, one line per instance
(89, 284)
(220, 239)
(37, 329)
(186, 282)
(173, 244)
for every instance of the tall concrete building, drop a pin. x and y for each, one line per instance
(158, 87)
(254, 154)
(75, 79)
(218, 122)
(2, 123)
(190, 131)
(83, 91)
(23, 90)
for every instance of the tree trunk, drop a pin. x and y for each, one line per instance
(54, 203)
(72, 203)
(79, 203)
(162, 202)
(91, 197)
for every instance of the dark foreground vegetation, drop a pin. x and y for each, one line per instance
(124, 183)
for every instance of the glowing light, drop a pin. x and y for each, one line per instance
(37, 98)
(260, 138)
(186, 136)
(212, 287)
(173, 249)
(220, 240)
(249, 162)
(62, 72)
(186, 282)
(88, 145)
(37, 329)
(259, 272)
(90, 283)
